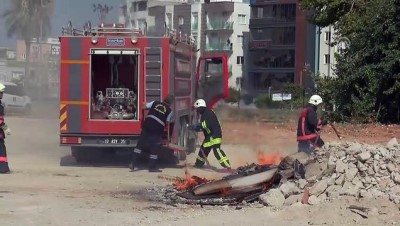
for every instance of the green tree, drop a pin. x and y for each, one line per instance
(367, 84)
(27, 19)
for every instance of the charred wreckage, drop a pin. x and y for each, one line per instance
(245, 184)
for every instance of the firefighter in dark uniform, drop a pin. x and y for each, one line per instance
(3, 131)
(308, 129)
(211, 128)
(152, 131)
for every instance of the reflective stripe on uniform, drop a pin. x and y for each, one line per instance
(223, 160)
(3, 159)
(138, 151)
(157, 119)
(153, 156)
(303, 129)
(200, 159)
(212, 142)
(204, 126)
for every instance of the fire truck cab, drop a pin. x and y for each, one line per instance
(109, 73)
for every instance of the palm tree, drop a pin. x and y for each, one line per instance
(103, 10)
(24, 19)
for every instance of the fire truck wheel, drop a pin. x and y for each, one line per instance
(80, 154)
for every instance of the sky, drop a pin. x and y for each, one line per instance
(65, 10)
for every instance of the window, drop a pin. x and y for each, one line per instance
(142, 6)
(277, 35)
(169, 20)
(327, 59)
(263, 80)
(141, 24)
(239, 60)
(280, 58)
(180, 20)
(280, 12)
(240, 39)
(327, 36)
(14, 90)
(242, 19)
(195, 21)
(260, 12)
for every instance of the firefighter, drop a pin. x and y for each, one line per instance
(211, 128)
(152, 131)
(309, 126)
(4, 129)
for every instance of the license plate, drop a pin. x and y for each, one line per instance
(114, 141)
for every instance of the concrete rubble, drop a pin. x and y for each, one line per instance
(347, 169)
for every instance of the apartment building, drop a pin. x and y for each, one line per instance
(281, 46)
(326, 51)
(137, 10)
(217, 25)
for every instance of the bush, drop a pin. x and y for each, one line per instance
(234, 95)
(264, 101)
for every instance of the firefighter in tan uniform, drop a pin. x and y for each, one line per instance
(3, 130)
(211, 128)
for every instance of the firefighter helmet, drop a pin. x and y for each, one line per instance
(200, 103)
(2, 87)
(315, 100)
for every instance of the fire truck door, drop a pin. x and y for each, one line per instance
(212, 79)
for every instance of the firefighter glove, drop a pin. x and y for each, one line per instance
(195, 127)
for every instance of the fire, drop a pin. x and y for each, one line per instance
(189, 182)
(274, 158)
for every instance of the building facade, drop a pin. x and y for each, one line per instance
(326, 55)
(217, 26)
(281, 47)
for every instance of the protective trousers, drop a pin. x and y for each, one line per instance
(3, 158)
(148, 144)
(218, 152)
(308, 146)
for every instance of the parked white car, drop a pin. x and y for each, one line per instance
(15, 99)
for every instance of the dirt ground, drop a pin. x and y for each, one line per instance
(47, 186)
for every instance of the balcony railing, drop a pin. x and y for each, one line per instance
(220, 25)
(218, 46)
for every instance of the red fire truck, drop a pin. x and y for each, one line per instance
(108, 74)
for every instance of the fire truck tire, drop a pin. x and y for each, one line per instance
(80, 154)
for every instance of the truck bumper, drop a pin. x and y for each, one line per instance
(86, 140)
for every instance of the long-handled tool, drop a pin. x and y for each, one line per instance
(204, 156)
(336, 132)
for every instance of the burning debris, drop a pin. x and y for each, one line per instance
(341, 169)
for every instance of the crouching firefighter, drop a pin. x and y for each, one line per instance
(211, 128)
(309, 126)
(152, 131)
(3, 130)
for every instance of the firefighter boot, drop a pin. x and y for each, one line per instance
(153, 167)
(135, 159)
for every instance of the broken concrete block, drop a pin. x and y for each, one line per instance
(341, 166)
(319, 187)
(364, 156)
(313, 200)
(302, 183)
(292, 200)
(351, 173)
(340, 180)
(289, 189)
(392, 143)
(273, 198)
(391, 167)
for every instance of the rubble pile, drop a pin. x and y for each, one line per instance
(343, 169)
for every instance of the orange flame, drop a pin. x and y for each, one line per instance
(274, 158)
(188, 182)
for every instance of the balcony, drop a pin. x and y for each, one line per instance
(218, 47)
(220, 25)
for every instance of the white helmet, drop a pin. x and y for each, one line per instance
(200, 103)
(2, 87)
(315, 100)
